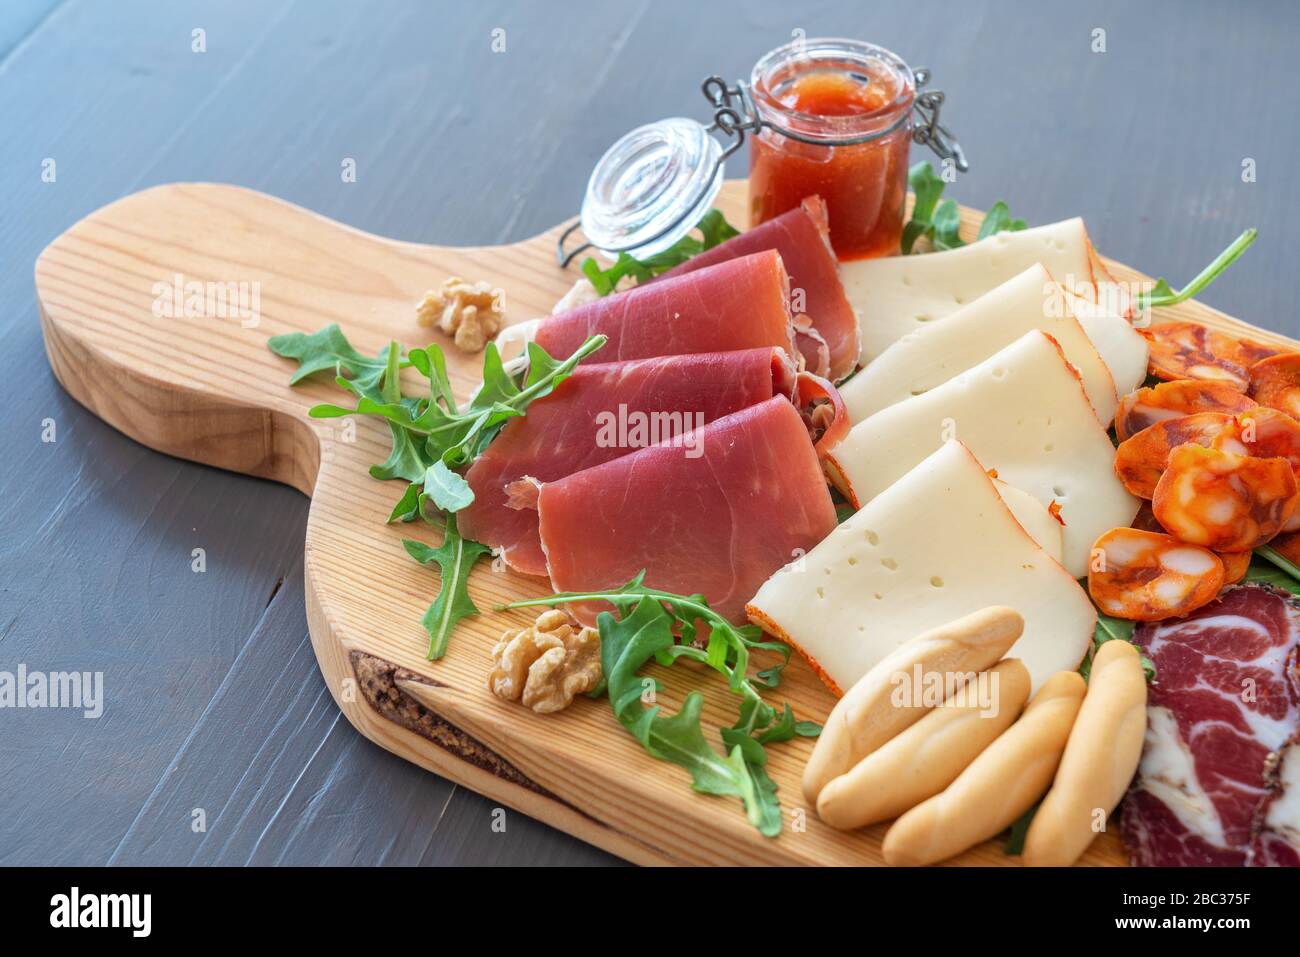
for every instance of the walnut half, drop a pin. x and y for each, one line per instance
(546, 664)
(471, 313)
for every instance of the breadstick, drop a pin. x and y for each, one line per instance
(1000, 785)
(1099, 762)
(929, 755)
(867, 716)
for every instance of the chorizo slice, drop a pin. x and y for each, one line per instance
(1224, 501)
(1266, 433)
(1141, 459)
(1189, 350)
(1146, 576)
(1235, 565)
(1275, 382)
(1172, 400)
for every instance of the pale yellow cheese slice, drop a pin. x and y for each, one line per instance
(1023, 413)
(896, 295)
(1034, 517)
(936, 545)
(1122, 347)
(937, 351)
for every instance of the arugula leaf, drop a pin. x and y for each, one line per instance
(626, 645)
(431, 437)
(998, 219)
(928, 187)
(454, 557)
(726, 650)
(1019, 831)
(329, 349)
(1275, 570)
(941, 221)
(1162, 294)
(713, 228)
(433, 431)
(449, 491)
(1112, 629)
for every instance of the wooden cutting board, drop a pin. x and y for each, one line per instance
(207, 389)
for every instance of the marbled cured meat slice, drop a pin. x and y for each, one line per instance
(738, 304)
(719, 522)
(601, 412)
(1223, 706)
(1277, 841)
(802, 237)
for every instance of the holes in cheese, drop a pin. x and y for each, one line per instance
(898, 294)
(940, 350)
(1022, 413)
(845, 609)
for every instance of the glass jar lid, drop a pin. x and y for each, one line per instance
(652, 187)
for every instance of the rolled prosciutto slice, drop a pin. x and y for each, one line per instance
(602, 412)
(738, 304)
(716, 511)
(827, 327)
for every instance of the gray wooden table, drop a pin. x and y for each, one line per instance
(212, 701)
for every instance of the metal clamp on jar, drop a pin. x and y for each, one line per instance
(830, 117)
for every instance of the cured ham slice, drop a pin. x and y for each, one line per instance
(738, 304)
(1209, 790)
(601, 412)
(719, 523)
(802, 237)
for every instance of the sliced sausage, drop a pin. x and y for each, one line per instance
(1172, 400)
(1224, 501)
(1146, 576)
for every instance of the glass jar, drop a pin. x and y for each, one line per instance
(828, 117)
(836, 120)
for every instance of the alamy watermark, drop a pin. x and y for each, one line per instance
(634, 429)
(177, 298)
(80, 690)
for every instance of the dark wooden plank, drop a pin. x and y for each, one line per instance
(212, 697)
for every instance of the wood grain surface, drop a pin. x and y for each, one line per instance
(212, 701)
(206, 388)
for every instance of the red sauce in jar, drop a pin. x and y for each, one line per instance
(831, 100)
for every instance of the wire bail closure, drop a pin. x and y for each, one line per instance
(734, 114)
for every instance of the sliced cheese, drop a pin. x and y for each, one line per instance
(936, 545)
(1123, 348)
(898, 294)
(937, 351)
(1034, 517)
(1023, 414)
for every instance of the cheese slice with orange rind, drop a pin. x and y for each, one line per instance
(937, 351)
(1023, 414)
(935, 546)
(896, 295)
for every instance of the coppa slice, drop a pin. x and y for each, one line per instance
(601, 412)
(936, 545)
(939, 350)
(1023, 414)
(802, 238)
(1204, 776)
(718, 523)
(899, 294)
(738, 304)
